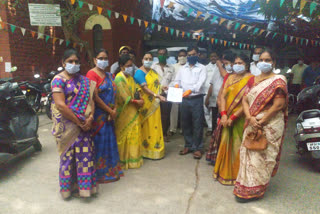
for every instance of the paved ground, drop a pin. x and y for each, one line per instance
(29, 184)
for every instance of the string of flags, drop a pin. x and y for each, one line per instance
(313, 5)
(255, 30)
(38, 35)
(182, 33)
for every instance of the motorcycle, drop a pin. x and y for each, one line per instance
(18, 121)
(307, 135)
(36, 92)
(308, 98)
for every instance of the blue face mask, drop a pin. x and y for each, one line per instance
(193, 60)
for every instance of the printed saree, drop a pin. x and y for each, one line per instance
(106, 148)
(150, 116)
(77, 170)
(127, 123)
(227, 162)
(257, 167)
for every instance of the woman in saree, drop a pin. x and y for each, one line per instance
(264, 106)
(72, 116)
(227, 60)
(106, 148)
(150, 116)
(127, 123)
(232, 122)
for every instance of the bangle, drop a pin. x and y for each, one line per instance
(134, 101)
(223, 113)
(233, 117)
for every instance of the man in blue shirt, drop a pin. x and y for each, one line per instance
(311, 73)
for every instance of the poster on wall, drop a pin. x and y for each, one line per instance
(44, 14)
(7, 66)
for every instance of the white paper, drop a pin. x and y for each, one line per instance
(7, 67)
(175, 95)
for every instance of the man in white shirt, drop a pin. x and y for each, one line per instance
(211, 69)
(174, 115)
(166, 75)
(296, 73)
(255, 57)
(191, 78)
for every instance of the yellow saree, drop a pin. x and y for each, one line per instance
(228, 160)
(127, 123)
(151, 127)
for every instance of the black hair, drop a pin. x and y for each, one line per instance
(229, 55)
(162, 48)
(193, 47)
(214, 52)
(122, 61)
(270, 52)
(182, 51)
(125, 48)
(69, 52)
(148, 53)
(132, 52)
(100, 51)
(244, 58)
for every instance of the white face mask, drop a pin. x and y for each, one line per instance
(229, 69)
(255, 57)
(72, 68)
(129, 71)
(147, 64)
(102, 64)
(264, 67)
(238, 69)
(182, 60)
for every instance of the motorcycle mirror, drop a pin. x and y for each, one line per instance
(37, 76)
(60, 69)
(289, 71)
(13, 69)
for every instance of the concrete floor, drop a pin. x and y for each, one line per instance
(176, 184)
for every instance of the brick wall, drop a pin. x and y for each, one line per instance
(4, 45)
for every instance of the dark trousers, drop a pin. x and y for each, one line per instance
(165, 108)
(214, 117)
(295, 89)
(192, 120)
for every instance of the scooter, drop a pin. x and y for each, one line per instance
(307, 135)
(308, 98)
(18, 121)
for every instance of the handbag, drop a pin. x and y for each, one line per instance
(256, 140)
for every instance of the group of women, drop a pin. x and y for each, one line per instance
(252, 114)
(104, 123)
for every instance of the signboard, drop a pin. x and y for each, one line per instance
(45, 14)
(7, 67)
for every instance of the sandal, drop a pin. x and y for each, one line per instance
(185, 151)
(197, 155)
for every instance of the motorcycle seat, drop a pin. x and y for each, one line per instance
(310, 114)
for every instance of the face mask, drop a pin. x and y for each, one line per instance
(228, 69)
(264, 67)
(193, 60)
(162, 59)
(147, 64)
(300, 62)
(255, 72)
(129, 71)
(238, 69)
(72, 68)
(102, 64)
(255, 57)
(182, 60)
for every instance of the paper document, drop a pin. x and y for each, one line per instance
(175, 95)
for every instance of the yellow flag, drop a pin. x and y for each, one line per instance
(146, 24)
(221, 21)
(199, 13)
(261, 32)
(242, 26)
(302, 4)
(72, 2)
(99, 10)
(212, 40)
(224, 42)
(125, 18)
(167, 29)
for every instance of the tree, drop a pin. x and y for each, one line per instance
(70, 17)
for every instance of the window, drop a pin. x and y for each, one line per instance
(97, 38)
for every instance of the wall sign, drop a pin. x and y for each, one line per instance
(45, 14)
